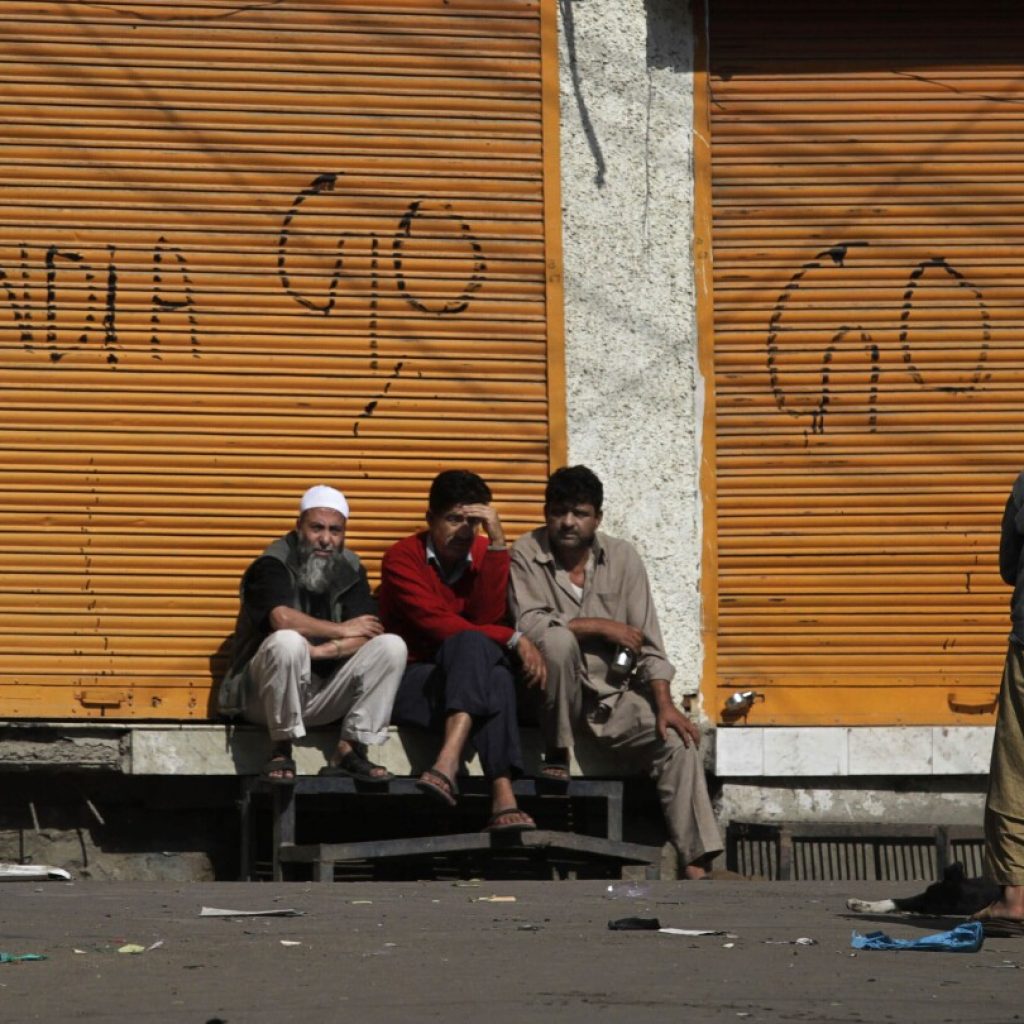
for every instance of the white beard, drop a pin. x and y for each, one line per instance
(315, 573)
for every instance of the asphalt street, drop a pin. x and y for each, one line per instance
(482, 951)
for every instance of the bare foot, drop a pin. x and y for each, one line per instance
(1009, 906)
(1000, 910)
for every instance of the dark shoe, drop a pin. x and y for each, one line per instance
(355, 765)
(284, 766)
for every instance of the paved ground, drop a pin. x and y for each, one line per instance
(436, 951)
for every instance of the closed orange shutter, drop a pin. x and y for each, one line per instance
(868, 348)
(245, 248)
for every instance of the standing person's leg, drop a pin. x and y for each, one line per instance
(277, 682)
(1004, 806)
(360, 693)
(628, 726)
(562, 704)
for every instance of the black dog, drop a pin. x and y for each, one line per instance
(955, 896)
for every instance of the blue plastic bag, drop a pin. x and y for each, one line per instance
(964, 938)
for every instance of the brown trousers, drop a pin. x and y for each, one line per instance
(1004, 808)
(623, 721)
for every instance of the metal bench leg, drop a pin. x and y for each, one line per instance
(245, 853)
(284, 825)
(614, 806)
(785, 854)
(323, 870)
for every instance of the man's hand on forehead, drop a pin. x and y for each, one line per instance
(476, 514)
(487, 517)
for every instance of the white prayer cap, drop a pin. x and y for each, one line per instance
(322, 496)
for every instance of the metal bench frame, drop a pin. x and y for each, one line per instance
(324, 856)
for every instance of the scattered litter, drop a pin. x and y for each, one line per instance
(362, 903)
(466, 885)
(290, 942)
(131, 947)
(13, 958)
(78, 951)
(628, 891)
(728, 945)
(1012, 965)
(529, 928)
(690, 931)
(221, 912)
(635, 924)
(494, 899)
(155, 945)
(32, 873)
(802, 941)
(964, 938)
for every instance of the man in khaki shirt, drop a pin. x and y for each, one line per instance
(583, 598)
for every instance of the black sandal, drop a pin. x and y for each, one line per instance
(279, 763)
(355, 765)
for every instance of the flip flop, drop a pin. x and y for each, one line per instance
(998, 927)
(280, 763)
(495, 824)
(556, 773)
(355, 765)
(438, 786)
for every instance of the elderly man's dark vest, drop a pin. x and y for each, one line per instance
(346, 599)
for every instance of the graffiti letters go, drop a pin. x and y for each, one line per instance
(853, 337)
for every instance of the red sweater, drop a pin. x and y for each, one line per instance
(420, 607)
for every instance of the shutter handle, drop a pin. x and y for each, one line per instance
(101, 698)
(972, 706)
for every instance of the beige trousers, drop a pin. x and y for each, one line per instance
(1004, 807)
(624, 721)
(281, 694)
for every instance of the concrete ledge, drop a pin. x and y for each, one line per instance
(29, 746)
(742, 752)
(216, 748)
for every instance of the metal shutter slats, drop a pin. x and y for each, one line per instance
(244, 249)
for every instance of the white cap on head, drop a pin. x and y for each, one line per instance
(322, 496)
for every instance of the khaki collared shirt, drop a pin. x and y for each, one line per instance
(616, 587)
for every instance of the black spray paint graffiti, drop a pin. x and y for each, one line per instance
(99, 318)
(160, 305)
(857, 337)
(173, 296)
(400, 238)
(367, 244)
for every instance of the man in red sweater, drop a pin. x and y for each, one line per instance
(444, 591)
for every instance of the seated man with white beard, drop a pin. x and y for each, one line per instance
(309, 648)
